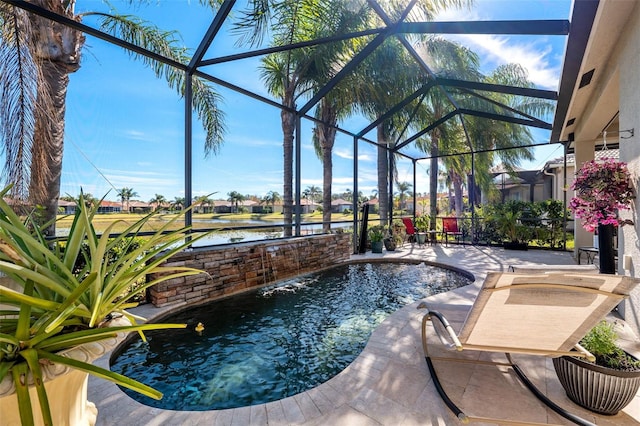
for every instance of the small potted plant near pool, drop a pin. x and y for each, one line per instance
(422, 226)
(63, 303)
(376, 237)
(390, 239)
(607, 385)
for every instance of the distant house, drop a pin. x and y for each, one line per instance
(521, 185)
(545, 184)
(554, 174)
(139, 207)
(66, 207)
(109, 207)
(340, 206)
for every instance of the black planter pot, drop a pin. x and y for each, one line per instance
(515, 245)
(389, 244)
(599, 389)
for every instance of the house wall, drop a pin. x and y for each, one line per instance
(629, 236)
(232, 269)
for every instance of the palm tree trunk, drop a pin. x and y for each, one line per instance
(48, 146)
(457, 190)
(57, 54)
(288, 127)
(327, 139)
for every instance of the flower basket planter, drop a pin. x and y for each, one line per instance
(376, 246)
(599, 389)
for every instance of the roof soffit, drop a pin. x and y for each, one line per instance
(594, 105)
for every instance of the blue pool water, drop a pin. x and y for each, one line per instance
(278, 341)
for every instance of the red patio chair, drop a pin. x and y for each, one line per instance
(450, 227)
(411, 230)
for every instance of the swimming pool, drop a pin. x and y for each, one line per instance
(277, 341)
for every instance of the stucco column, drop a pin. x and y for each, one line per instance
(585, 151)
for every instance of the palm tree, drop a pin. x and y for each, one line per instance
(288, 75)
(125, 195)
(236, 198)
(204, 201)
(403, 188)
(272, 198)
(158, 200)
(38, 56)
(177, 203)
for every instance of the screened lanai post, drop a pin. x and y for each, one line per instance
(355, 194)
(390, 161)
(188, 145)
(472, 196)
(565, 145)
(415, 181)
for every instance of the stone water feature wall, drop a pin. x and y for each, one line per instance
(231, 269)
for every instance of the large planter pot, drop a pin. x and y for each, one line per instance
(376, 246)
(515, 245)
(422, 237)
(599, 389)
(66, 389)
(389, 244)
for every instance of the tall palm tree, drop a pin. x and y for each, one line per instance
(177, 203)
(312, 193)
(403, 188)
(158, 200)
(38, 56)
(287, 21)
(126, 194)
(235, 197)
(272, 197)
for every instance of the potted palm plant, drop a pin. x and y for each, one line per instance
(422, 226)
(607, 385)
(60, 300)
(376, 235)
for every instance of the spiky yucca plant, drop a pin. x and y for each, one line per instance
(62, 305)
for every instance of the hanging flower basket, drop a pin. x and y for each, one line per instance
(603, 188)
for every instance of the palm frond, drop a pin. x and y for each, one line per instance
(18, 93)
(168, 44)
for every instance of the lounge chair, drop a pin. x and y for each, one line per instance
(411, 230)
(450, 228)
(543, 314)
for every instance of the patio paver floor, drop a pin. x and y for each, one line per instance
(389, 383)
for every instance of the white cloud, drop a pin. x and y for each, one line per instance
(536, 56)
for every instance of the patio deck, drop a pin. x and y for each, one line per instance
(389, 384)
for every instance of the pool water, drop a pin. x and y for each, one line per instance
(278, 341)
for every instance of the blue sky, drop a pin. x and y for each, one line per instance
(125, 128)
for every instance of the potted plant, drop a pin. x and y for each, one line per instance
(607, 385)
(422, 226)
(602, 189)
(64, 298)
(507, 219)
(376, 235)
(390, 243)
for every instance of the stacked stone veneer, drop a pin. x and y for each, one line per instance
(231, 269)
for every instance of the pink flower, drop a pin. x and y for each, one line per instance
(602, 190)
